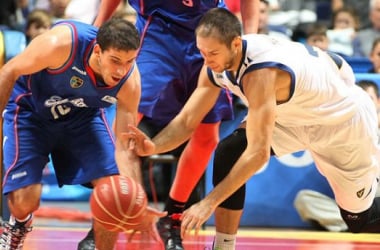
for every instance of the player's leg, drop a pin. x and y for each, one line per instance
(85, 154)
(190, 168)
(348, 155)
(228, 213)
(25, 155)
(192, 164)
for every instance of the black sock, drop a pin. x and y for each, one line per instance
(173, 206)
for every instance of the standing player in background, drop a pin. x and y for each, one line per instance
(52, 98)
(170, 63)
(299, 98)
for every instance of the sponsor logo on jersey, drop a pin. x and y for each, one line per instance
(54, 101)
(76, 82)
(360, 193)
(4, 140)
(109, 99)
(19, 175)
(82, 72)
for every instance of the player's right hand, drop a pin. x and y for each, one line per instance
(148, 226)
(138, 141)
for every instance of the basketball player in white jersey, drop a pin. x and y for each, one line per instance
(298, 98)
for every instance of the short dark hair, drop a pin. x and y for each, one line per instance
(220, 24)
(365, 84)
(119, 34)
(316, 29)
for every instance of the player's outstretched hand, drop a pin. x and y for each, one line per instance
(195, 216)
(148, 226)
(137, 140)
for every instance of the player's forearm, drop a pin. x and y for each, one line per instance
(171, 137)
(250, 15)
(246, 166)
(129, 164)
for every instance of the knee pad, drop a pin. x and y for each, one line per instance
(227, 153)
(364, 222)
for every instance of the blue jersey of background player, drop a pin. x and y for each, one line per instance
(170, 62)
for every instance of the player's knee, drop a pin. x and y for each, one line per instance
(364, 222)
(227, 153)
(236, 200)
(24, 200)
(355, 221)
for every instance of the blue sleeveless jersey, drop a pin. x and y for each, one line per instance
(183, 12)
(60, 93)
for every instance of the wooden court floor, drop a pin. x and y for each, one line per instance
(64, 238)
(51, 232)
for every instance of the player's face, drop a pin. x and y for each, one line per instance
(217, 56)
(115, 64)
(375, 58)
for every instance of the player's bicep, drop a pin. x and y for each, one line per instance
(259, 88)
(48, 50)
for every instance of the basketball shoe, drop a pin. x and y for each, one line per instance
(169, 228)
(88, 243)
(14, 234)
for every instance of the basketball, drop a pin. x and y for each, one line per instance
(118, 203)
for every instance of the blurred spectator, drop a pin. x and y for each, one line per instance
(56, 8)
(13, 14)
(316, 35)
(126, 11)
(373, 90)
(375, 56)
(292, 13)
(82, 10)
(368, 35)
(360, 6)
(342, 35)
(278, 31)
(38, 21)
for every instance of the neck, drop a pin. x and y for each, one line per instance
(237, 58)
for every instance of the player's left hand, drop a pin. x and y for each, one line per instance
(195, 216)
(148, 226)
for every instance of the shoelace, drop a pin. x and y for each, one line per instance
(14, 236)
(175, 220)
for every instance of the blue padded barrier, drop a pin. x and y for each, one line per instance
(368, 76)
(359, 64)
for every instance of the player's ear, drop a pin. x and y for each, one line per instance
(236, 42)
(97, 50)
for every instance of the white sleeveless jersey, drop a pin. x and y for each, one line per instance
(323, 89)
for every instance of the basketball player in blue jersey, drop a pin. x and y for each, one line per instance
(170, 63)
(298, 98)
(53, 97)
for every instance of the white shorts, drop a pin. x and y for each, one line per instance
(347, 155)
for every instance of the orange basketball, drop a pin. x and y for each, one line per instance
(118, 203)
